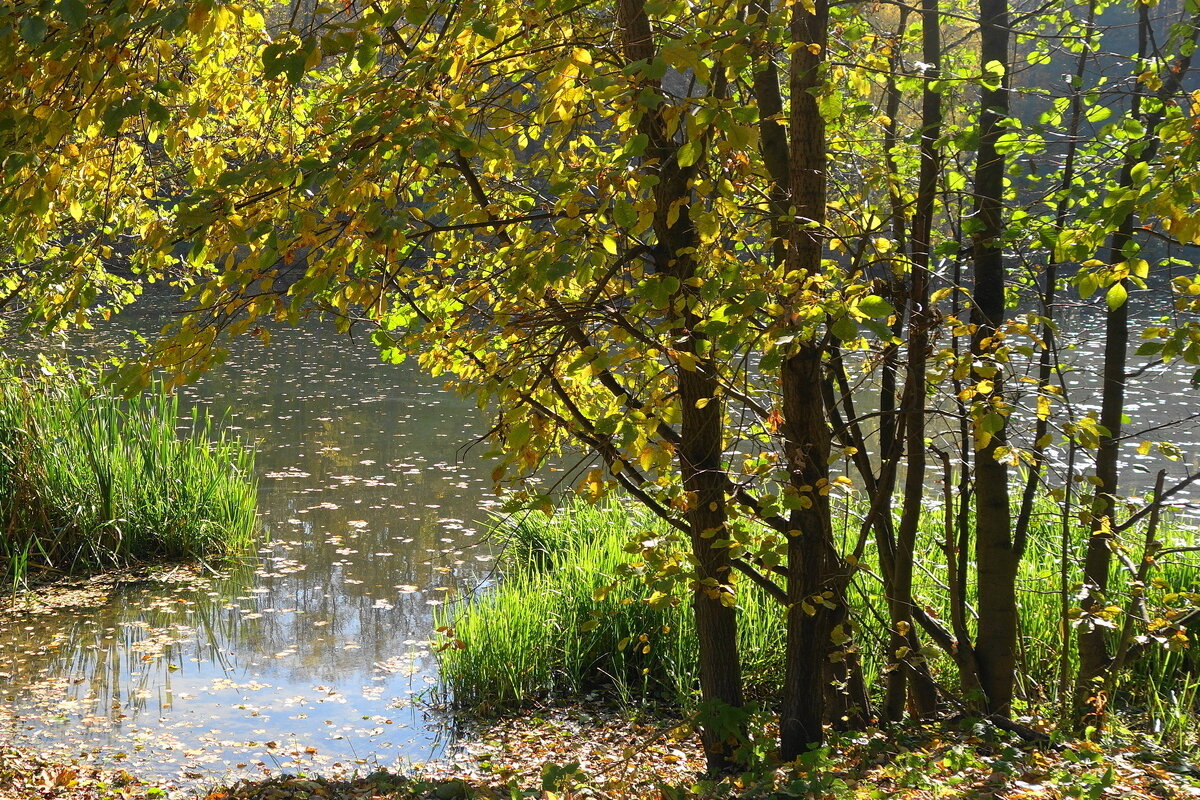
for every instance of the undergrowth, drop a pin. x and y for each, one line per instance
(566, 618)
(561, 621)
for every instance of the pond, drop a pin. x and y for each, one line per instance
(373, 506)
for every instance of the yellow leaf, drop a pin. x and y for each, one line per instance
(1043, 408)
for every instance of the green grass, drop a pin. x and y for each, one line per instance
(1153, 692)
(89, 481)
(542, 632)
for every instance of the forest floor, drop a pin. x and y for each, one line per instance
(569, 752)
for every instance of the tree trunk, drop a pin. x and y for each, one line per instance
(906, 647)
(896, 674)
(1095, 661)
(701, 428)
(810, 557)
(996, 553)
(812, 591)
(700, 452)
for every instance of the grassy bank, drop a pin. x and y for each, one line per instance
(89, 481)
(553, 628)
(562, 621)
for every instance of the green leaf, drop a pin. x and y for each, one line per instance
(33, 29)
(1149, 349)
(175, 19)
(157, 112)
(993, 74)
(485, 28)
(1116, 296)
(690, 152)
(117, 114)
(845, 329)
(624, 214)
(1008, 143)
(274, 59)
(73, 12)
(656, 69)
(831, 105)
(368, 51)
(875, 307)
(294, 66)
(1133, 127)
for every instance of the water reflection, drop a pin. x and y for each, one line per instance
(313, 655)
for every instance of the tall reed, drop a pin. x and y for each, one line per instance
(544, 630)
(90, 481)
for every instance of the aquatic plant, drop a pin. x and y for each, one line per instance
(563, 621)
(90, 481)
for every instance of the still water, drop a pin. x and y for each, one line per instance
(318, 653)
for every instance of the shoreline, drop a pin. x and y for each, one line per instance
(617, 754)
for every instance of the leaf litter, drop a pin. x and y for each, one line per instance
(575, 752)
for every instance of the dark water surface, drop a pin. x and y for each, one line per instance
(315, 655)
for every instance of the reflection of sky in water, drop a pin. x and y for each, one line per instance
(1160, 404)
(313, 655)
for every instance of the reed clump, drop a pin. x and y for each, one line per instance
(91, 481)
(565, 618)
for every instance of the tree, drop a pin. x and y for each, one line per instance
(997, 551)
(637, 312)
(1121, 270)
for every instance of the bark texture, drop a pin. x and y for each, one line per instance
(812, 560)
